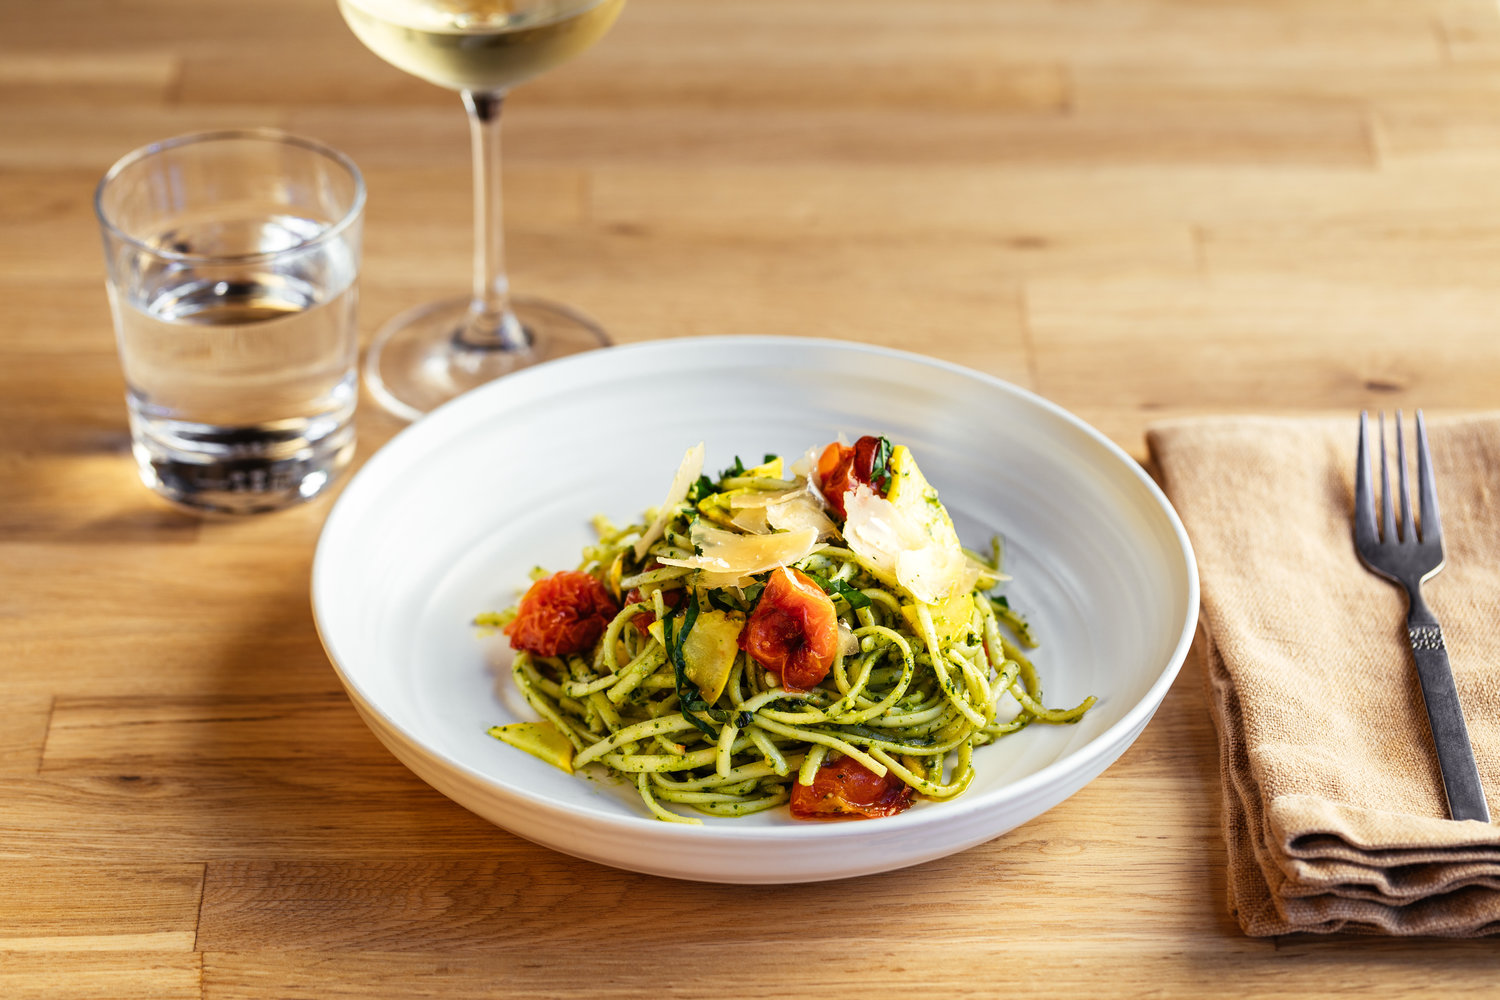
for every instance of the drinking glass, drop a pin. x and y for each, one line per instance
(232, 260)
(480, 48)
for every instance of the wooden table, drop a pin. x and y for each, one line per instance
(1138, 208)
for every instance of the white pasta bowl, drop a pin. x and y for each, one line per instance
(447, 520)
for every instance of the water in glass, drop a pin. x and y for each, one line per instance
(242, 390)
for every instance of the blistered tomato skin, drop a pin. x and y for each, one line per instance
(846, 788)
(865, 450)
(836, 475)
(841, 467)
(793, 631)
(562, 614)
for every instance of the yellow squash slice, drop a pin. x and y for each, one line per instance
(540, 739)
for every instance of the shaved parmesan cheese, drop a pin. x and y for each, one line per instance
(801, 511)
(761, 511)
(751, 519)
(729, 556)
(848, 641)
(687, 474)
(913, 545)
(986, 576)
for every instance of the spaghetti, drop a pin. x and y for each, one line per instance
(818, 638)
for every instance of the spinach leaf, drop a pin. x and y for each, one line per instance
(724, 600)
(880, 467)
(838, 588)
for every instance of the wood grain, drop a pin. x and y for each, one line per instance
(106, 974)
(23, 727)
(1140, 208)
(63, 907)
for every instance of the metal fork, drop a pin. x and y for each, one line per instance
(1408, 554)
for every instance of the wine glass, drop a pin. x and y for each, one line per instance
(480, 48)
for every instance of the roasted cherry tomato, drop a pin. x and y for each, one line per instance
(848, 788)
(840, 467)
(562, 614)
(642, 621)
(835, 474)
(793, 630)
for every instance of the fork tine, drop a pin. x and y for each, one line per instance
(1432, 522)
(1364, 501)
(1387, 504)
(1408, 526)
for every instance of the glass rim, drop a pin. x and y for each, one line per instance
(272, 135)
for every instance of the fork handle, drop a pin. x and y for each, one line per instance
(1445, 716)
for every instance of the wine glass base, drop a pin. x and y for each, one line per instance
(416, 364)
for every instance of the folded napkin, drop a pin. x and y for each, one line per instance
(1334, 811)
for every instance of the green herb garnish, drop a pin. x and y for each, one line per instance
(702, 488)
(880, 467)
(838, 588)
(723, 600)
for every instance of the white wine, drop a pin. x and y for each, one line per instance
(484, 46)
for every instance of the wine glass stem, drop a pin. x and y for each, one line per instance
(490, 325)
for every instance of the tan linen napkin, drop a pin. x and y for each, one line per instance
(1334, 812)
